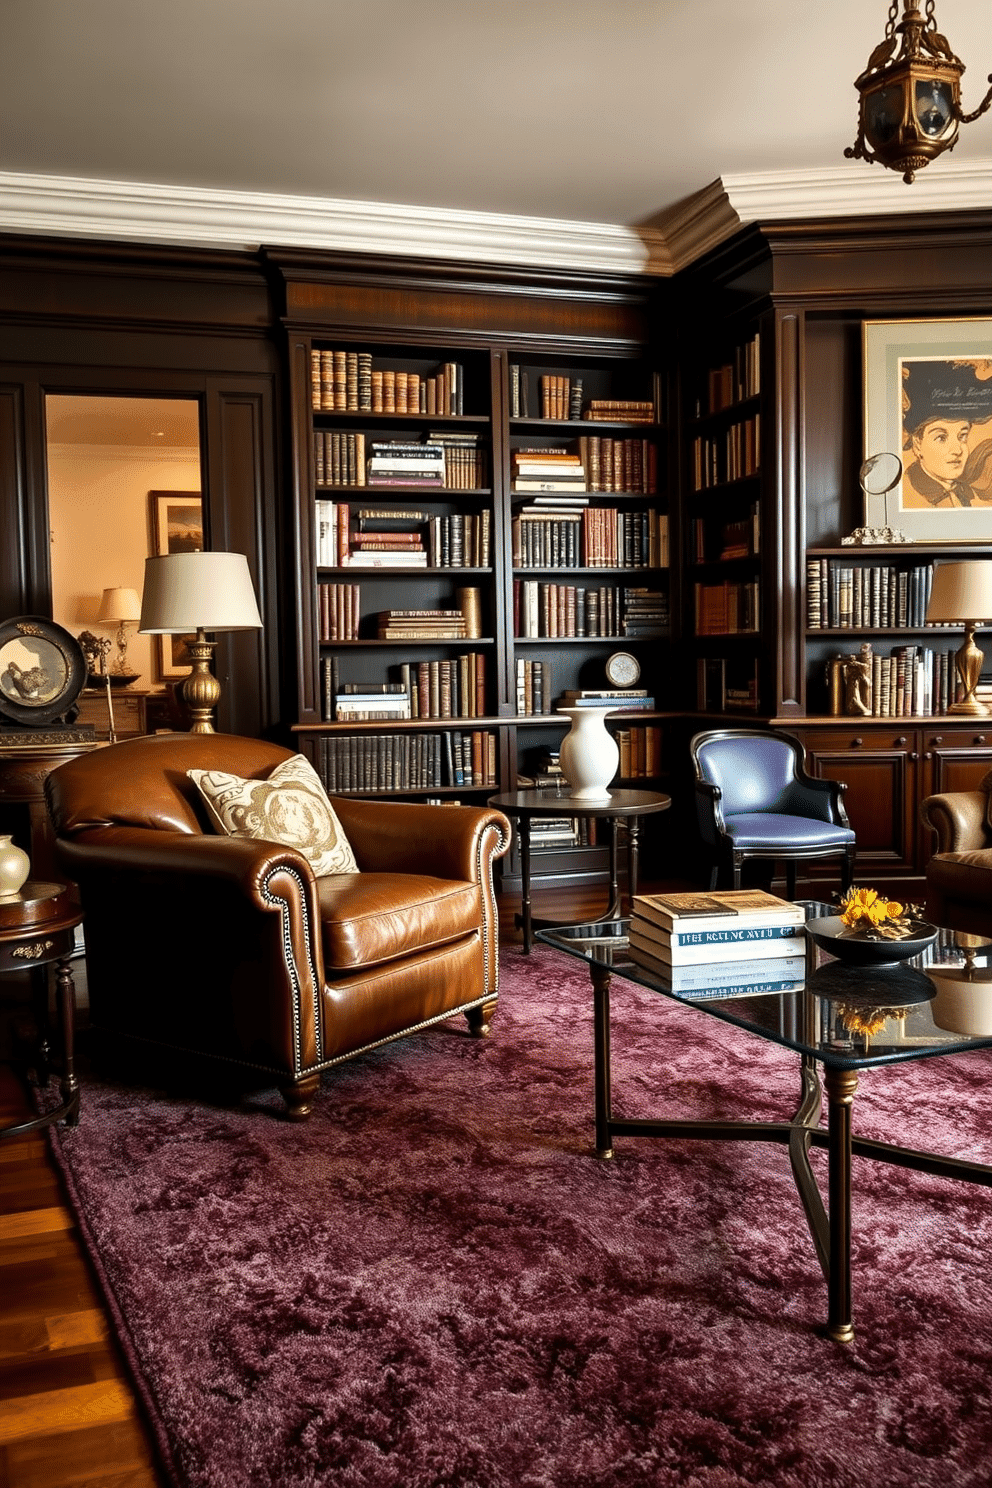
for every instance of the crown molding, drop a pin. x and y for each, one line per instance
(72, 207)
(191, 216)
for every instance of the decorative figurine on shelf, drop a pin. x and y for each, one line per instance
(857, 681)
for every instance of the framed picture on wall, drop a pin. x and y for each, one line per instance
(177, 527)
(928, 399)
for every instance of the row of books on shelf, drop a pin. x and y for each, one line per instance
(440, 461)
(377, 537)
(727, 608)
(913, 681)
(596, 463)
(598, 537)
(727, 684)
(841, 596)
(343, 381)
(408, 760)
(733, 381)
(719, 541)
(339, 614)
(722, 944)
(560, 397)
(731, 455)
(571, 610)
(454, 687)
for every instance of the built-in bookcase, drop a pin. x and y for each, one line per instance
(479, 529)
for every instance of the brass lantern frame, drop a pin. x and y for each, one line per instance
(891, 129)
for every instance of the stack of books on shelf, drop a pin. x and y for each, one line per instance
(422, 625)
(464, 459)
(554, 831)
(461, 540)
(640, 752)
(338, 458)
(346, 382)
(361, 701)
(561, 397)
(619, 699)
(730, 456)
(542, 768)
(407, 760)
(452, 688)
(732, 943)
(619, 411)
(565, 610)
(733, 381)
(727, 609)
(876, 596)
(629, 465)
(912, 682)
(556, 471)
(338, 608)
(531, 689)
(645, 612)
(406, 463)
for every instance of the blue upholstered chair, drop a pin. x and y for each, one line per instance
(754, 799)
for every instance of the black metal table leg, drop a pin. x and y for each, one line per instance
(840, 1086)
(601, 978)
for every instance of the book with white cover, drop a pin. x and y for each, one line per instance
(704, 911)
(762, 942)
(728, 978)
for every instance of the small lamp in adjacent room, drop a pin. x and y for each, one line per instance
(120, 607)
(197, 592)
(962, 594)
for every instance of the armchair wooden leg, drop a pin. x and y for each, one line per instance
(299, 1097)
(479, 1018)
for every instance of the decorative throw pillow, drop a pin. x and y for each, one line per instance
(290, 808)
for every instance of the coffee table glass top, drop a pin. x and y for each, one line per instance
(847, 1016)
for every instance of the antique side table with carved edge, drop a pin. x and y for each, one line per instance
(37, 929)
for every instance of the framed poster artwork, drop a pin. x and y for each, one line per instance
(928, 399)
(177, 527)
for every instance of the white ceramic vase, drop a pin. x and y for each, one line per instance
(15, 865)
(589, 753)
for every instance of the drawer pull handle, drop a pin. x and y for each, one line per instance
(901, 739)
(938, 738)
(856, 743)
(979, 738)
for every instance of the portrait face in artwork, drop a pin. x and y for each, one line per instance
(947, 433)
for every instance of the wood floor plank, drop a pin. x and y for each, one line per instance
(35, 1222)
(50, 1411)
(114, 1456)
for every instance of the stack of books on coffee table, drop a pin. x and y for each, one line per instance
(730, 943)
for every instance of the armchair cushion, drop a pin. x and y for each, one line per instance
(768, 829)
(288, 807)
(370, 918)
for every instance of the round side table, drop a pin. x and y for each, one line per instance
(623, 805)
(37, 928)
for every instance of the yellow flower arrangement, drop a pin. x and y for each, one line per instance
(869, 914)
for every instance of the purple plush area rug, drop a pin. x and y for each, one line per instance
(433, 1284)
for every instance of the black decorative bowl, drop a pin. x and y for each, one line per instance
(857, 950)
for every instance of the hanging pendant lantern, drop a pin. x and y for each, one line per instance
(911, 103)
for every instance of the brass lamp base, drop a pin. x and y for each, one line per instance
(201, 690)
(968, 664)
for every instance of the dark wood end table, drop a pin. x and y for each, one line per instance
(627, 806)
(37, 928)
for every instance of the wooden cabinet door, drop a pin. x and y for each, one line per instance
(880, 769)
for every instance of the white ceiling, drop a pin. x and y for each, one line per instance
(613, 113)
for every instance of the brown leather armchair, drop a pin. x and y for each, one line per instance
(232, 948)
(959, 876)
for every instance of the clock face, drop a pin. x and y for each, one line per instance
(622, 669)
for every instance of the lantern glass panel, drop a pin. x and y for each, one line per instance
(934, 106)
(883, 114)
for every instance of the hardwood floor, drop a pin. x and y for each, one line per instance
(69, 1417)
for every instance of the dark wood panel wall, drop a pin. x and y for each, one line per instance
(112, 318)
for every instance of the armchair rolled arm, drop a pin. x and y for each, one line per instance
(958, 818)
(410, 837)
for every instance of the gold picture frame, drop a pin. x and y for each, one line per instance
(177, 527)
(928, 400)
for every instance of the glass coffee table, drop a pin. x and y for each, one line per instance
(940, 1003)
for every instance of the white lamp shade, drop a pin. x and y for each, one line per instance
(119, 606)
(961, 591)
(198, 591)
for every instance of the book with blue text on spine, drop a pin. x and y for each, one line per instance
(789, 940)
(725, 978)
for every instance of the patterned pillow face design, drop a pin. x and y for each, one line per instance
(290, 808)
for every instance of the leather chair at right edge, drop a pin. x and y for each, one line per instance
(754, 799)
(959, 875)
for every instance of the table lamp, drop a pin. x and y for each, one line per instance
(120, 607)
(962, 593)
(198, 592)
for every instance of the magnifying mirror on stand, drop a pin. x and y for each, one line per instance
(879, 475)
